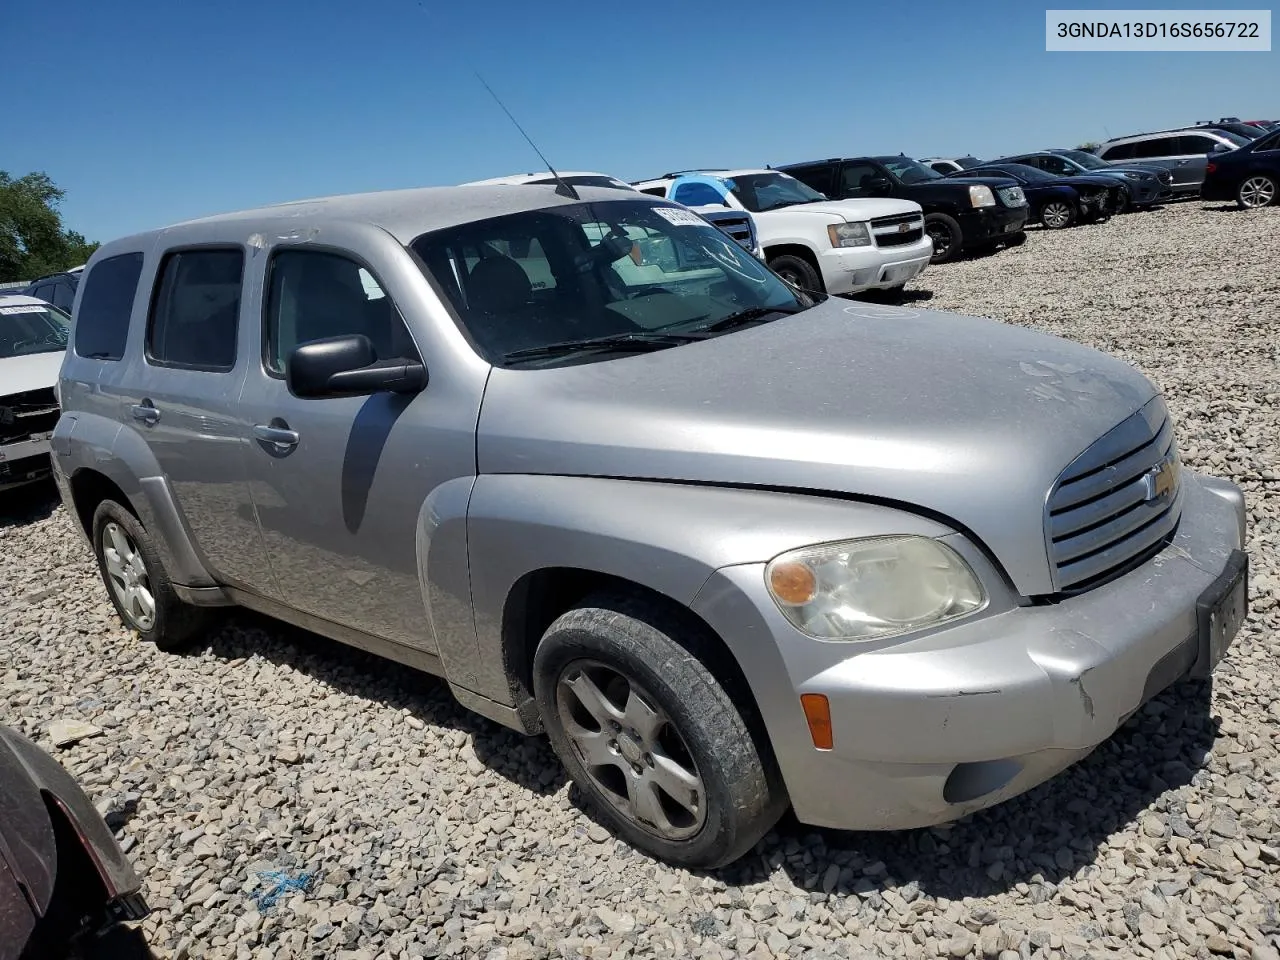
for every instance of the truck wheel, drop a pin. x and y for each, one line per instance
(797, 271)
(945, 234)
(1056, 215)
(1257, 191)
(136, 580)
(653, 740)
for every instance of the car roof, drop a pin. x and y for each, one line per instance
(405, 214)
(1208, 128)
(545, 174)
(20, 300)
(706, 172)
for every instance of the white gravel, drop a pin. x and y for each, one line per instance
(428, 831)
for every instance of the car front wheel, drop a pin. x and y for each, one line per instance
(1257, 191)
(659, 748)
(945, 233)
(1057, 214)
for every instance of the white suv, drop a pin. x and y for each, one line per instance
(835, 246)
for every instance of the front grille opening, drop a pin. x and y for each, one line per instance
(27, 413)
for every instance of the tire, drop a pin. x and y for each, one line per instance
(127, 558)
(1122, 201)
(945, 233)
(1257, 191)
(797, 271)
(1057, 215)
(658, 718)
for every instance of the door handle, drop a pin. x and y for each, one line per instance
(145, 411)
(279, 436)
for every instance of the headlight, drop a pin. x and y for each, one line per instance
(1013, 197)
(981, 196)
(849, 235)
(877, 587)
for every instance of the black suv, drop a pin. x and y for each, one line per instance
(57, 288)
(960, 213)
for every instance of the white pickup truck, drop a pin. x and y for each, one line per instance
(835, 246)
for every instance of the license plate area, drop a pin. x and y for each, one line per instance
(1220, 612)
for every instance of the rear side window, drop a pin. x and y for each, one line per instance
(195, 310)
(102, 323)
(1196, 143)
(1121, 151)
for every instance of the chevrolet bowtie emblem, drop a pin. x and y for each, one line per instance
(1160, 482)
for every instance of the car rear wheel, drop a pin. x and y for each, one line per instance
(659, 748)
(1057, 214)
(136, 580)
(797, 271)
(1257, 191)
(945, 233)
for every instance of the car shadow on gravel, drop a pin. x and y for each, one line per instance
(29, 504)
(526, 761)
(1038, 839)
(1224, 208)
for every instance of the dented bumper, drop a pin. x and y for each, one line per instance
(931, 728)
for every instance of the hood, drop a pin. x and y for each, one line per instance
(1144, 171)
(854, 210)
(32, 371)
(1083, 180)
(993, 182)
(969, 418)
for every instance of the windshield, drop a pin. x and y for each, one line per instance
(589, 270)
(759, 192)
(1086, 160)
(1024, 172)
(32, 328)
(909, 171)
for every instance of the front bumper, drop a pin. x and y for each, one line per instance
(24, 461)
(930, 728)
(854, 269)
(990, 224)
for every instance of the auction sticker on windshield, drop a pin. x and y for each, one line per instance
(23, 308)
(680, 218)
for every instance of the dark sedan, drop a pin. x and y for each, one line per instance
(1249, 175)
(1144, 186)
(1058, 202)
(65, 885)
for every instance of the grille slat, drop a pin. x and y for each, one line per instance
(1104, 514)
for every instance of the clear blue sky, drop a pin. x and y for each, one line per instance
(148, 112)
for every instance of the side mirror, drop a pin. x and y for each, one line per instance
(879, 185)
(349, 367)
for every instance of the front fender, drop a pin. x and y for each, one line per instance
(667, 537)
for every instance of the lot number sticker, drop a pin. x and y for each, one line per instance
(23, 308)
(680, 218)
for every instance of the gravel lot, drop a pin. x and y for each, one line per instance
(427, 831)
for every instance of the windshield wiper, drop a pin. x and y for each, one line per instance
(744, 317)
(640, 341)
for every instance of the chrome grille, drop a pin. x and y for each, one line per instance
(897, 230)
(1115, 504)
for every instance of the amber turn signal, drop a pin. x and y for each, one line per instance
(817, 711)
(793, 582)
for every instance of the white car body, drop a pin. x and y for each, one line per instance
(588, 178)
(844, 270)
(27, 415)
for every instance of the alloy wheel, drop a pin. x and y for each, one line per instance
(127, 573)
(1056, 215)
(1257, 192)
(941, 237)
(631, 749)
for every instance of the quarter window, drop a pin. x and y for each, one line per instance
(1121, 151)
(196, 309)
(314, 295)
(102, 324)
(698, 195)
(1196, 143)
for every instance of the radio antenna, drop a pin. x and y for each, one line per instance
(564, 189)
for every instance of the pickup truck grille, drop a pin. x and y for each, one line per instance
(22, 414)
(1116, 504)
(898, 230)
(737, 226)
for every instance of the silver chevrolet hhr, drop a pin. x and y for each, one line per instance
(732, 545)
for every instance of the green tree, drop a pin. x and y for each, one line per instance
(33, 241)
(1088, 146)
